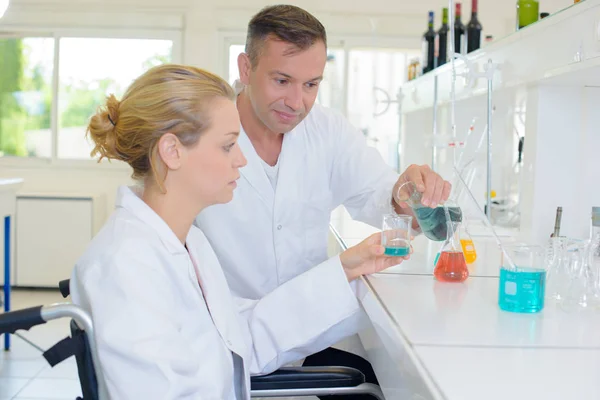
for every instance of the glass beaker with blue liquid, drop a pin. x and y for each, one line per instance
(522, 279)
(396, 234)
(433, 221)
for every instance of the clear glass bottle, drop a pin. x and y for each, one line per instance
(559, 274)
(594, 250)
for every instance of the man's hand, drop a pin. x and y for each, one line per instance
(367, 258)
(435, 190)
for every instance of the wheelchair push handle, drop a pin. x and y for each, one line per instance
(21, 319)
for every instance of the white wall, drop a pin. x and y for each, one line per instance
(203, 24)
(203, 20)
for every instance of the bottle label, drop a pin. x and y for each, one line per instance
(425, 55)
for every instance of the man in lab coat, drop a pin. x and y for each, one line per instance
(304, 160)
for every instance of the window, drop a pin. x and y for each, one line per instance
(26, 96)
(92, 68)
(374, 79)
(43, 118)
(234, 52)
(331, 89)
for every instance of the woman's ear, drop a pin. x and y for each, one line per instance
(170, 151)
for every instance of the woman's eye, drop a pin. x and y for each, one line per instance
(228, 147)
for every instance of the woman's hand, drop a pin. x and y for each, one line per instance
(367, 258)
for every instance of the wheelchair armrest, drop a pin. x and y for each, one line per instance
(307, 378)
(21, 319)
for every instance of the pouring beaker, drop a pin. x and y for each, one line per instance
(431, 220)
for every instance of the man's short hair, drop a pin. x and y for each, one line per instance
(287, 23)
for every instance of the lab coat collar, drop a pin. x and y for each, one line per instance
(238, 86)
(254, 172)
(129, 198)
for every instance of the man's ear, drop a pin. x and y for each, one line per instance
(244, 67)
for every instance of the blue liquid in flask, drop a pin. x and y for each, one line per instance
(397, 251)
(522, 290)
(433, 221)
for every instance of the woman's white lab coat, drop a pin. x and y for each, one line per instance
(160, 336)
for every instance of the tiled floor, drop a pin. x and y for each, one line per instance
(24, 373)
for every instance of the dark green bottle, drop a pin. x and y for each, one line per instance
(474, 29)
(442, 40)
(429, 46)
(459, 32)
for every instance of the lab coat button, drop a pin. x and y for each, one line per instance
(279, 227)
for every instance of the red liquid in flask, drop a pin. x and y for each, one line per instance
(451, 267)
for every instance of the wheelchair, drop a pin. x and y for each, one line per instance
(285, 382)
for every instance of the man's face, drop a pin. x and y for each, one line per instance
(283, 85)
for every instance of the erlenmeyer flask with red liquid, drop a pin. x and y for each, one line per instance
(451, 266)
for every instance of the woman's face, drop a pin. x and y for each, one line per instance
(210, 167)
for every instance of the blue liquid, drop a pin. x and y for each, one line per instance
(433, 221)
(522, 290)
(397, 251)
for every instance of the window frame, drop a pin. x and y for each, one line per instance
(174, 35)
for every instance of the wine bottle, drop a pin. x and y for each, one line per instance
(441, 40)
(459, 32)
(474, 29)
(429, 46)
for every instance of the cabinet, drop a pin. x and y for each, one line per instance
(52, 232)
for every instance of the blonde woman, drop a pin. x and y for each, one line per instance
(167, 326)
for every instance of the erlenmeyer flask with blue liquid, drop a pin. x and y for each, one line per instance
(433, 221)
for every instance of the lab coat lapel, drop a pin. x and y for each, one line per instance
(254, 172)
(216, 293)
(290, 186)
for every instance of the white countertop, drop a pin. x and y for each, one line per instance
(451, 341)
(501, 374)
(10, 184)
(454, 339)
(435, 313)
(8, 192)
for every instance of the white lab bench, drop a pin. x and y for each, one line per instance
(435, 340)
